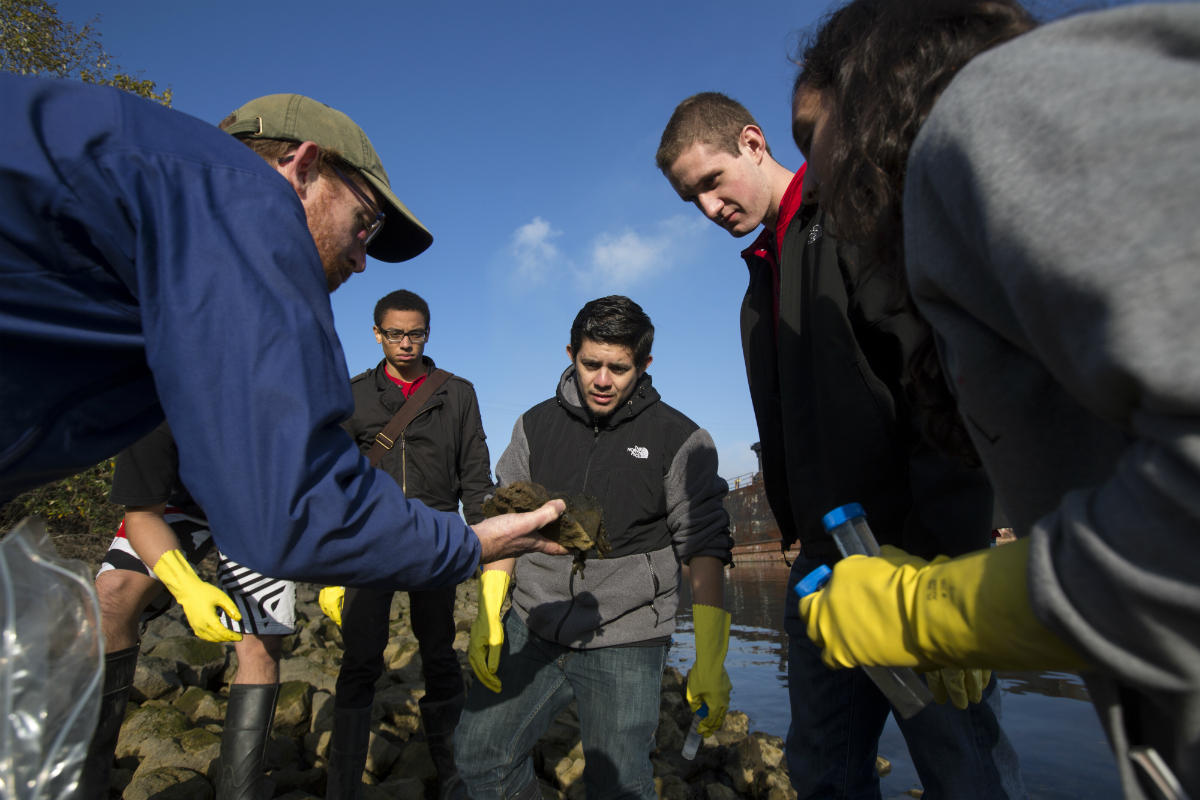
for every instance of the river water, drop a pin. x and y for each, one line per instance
(1052, 725)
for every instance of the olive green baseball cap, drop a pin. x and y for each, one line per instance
(295, 118)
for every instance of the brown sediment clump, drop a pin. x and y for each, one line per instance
(580, 528)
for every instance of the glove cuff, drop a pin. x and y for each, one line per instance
(986, 596)
(493, 588)
(173, 569)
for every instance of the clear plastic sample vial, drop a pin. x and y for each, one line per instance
(694, 738)
(847, 524)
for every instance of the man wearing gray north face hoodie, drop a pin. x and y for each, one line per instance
(600, 636)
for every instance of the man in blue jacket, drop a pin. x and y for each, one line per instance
(151, 264)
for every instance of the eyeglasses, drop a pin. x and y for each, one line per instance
(396, 336)
(375, 227)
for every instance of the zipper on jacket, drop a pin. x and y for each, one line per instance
(588, 468)
(404, 447)
(654, 575)
(571, 580)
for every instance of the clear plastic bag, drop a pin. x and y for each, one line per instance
(51, 666)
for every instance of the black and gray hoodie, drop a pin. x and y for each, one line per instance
(655, 473)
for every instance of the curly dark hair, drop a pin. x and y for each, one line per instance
(883, 64)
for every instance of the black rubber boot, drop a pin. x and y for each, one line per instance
(440, 720)
(348, 753)
(118, 682)
(248, 719)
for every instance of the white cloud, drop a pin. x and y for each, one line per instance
(533, 250)
(620, 260)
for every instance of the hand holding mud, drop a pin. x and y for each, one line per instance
(579, 529)
(511, 535)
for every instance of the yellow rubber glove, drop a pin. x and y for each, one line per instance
(487, 633)
(331, 600)
(200, 600)
(959, 686)
(970, 612)
(708, 682)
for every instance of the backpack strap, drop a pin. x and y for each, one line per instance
(386, 439)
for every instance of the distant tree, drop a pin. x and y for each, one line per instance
(35, 41)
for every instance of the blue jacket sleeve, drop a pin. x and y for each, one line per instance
(240, 338)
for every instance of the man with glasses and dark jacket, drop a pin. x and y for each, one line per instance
(440, 457)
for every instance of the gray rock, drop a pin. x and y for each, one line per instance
(231, 668)
(293, 707)
(282, 753)
(307, 592)
(322, 678)
(321, 716)
(381, 755)
(152, 722)
(169, 783)
(414, 762)
(197, 661)
(298, 794)
(718, 791)
(403, 789)
(153, 678)
(149, 640)
(201, 706)
(290, 780)
(671, 787)
(196, 751)
(669, 736)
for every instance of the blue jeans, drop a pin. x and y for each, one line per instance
(838, 716)
(618, 693)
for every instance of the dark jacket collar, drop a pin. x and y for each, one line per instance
(644, 395)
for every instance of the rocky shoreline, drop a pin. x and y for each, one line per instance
(171, 736)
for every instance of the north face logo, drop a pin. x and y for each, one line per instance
(638, 452)
(814, 234)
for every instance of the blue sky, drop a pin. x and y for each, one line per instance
(523, 135)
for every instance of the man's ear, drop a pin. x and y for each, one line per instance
(646, 366)
(570, 355)
(378, 334)
(753, 142)
(303, 168)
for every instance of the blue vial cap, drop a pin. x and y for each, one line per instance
(813, 581)
(842, 514)
(702, 712)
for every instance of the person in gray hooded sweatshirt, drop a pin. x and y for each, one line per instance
(600, 635)
(1039, 203)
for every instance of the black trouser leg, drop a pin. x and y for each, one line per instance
(365, 635)
(118, 682)
(348, 752)
(440, 719)
(432, 615)
(248, 719)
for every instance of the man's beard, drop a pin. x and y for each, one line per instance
(321, 225)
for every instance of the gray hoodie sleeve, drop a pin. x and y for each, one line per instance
(1052, 242)
(695, 496)
(513, 465)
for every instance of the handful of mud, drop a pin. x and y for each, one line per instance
(579, 529)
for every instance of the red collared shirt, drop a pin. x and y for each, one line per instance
(767, 244)
(409, 388)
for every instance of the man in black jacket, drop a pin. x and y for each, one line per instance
(440, 458)
(825, 348)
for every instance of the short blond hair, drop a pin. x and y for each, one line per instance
(710, 118)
